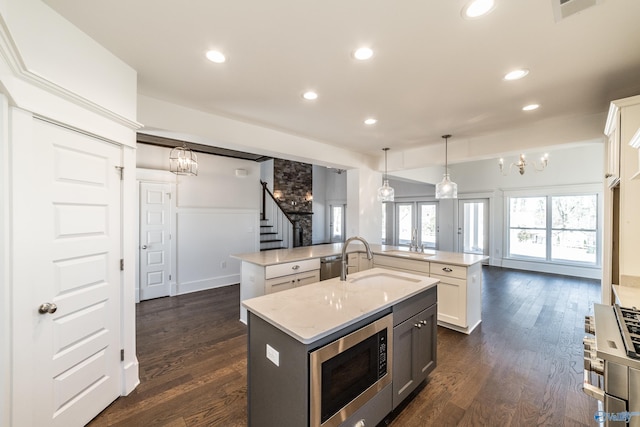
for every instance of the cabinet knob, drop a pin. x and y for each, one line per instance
(359, 424)
(295, 267)
(424, 322)
(447, 269)
(418, 325)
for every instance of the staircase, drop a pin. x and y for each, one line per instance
(276, 227)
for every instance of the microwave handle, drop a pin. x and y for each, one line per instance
(590, 389)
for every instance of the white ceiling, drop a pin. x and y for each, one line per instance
(432, 72)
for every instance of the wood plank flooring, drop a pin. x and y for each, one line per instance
(521, 367)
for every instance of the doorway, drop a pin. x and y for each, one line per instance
(473, 226)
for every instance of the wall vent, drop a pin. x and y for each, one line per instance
(565, 8)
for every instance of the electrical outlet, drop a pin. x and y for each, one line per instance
(273, 355)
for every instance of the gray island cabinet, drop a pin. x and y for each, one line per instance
(288, 386)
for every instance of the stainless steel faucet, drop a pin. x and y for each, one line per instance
(343, 272)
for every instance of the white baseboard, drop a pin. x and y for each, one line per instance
(210, 283)
(130, 377)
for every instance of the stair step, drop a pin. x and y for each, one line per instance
(263, 233)
(271, 241)
(270, 249)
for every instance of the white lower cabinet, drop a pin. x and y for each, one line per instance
(291, 281)
(289, 275)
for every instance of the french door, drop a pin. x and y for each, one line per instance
(418, 221)
(473, 226)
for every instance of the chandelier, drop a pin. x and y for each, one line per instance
(522, 163)
(446, 189)
(183, 161)
(385, 193)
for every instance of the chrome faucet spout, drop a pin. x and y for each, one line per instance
(343, 271)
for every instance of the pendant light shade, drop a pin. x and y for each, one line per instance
(183, 161)
(385, 193)
(446, 189)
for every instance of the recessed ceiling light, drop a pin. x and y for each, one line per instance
(530, 107)
(363, 53)
(370, 121)
(477, 8)
(310, 95)
(216, 56)
(516, 74)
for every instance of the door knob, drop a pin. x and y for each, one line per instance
(47, 307)
(144, 246)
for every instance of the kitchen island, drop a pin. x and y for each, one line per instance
(460, 275)
(301, 341)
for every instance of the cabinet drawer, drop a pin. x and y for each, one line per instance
(383, 261)
(408, 308)
(279, 284)
(292, 268)
(448, 270)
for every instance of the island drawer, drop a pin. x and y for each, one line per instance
(414, 305)
(448, 270)
(287, 268)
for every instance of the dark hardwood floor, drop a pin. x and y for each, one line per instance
(521, 367)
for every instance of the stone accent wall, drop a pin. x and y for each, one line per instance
(293, 182)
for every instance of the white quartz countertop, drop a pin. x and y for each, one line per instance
(309, 313)
(279, 256)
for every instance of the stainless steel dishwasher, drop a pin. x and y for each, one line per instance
(330, 267)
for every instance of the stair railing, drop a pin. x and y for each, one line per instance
(272, 212)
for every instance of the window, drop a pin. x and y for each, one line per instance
(554, 228)
(428, 225)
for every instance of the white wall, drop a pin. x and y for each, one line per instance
(572, 170)
(217, 215)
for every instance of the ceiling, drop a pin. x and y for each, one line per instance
(432, 72)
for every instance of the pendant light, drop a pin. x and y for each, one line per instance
(446, 189)
(385, 193)
(183, 161)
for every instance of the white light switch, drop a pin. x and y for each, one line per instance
(273, 355)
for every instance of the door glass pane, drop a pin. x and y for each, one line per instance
(428, 225)
(336, 223)
(473, 228)
(405, 224)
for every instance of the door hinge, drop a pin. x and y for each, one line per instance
(121, 169)
(169, 277)
(121, 264)
(169, 195)
(122, 355)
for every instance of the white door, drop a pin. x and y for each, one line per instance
(473, 226)
(67, 236)
(155, 248)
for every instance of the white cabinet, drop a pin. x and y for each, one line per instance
(358, 261)
(621, 230)
(290, 275)
(402, 264)
(459, 295)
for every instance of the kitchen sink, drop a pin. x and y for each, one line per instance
(377, 278)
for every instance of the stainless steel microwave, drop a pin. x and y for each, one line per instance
(347, 373)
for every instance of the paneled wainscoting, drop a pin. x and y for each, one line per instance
(521, 367)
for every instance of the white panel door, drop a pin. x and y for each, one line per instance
(68, 238)
(155, 248)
